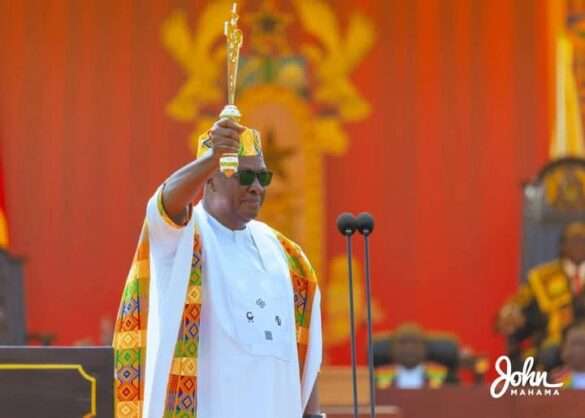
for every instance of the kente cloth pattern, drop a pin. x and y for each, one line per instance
(131, 329)
(434, 376)
(563, 375)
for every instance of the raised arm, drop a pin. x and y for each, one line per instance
(184, 184)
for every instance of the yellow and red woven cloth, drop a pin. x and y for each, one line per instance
(131, 328)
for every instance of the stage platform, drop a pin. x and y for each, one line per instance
(77, 382)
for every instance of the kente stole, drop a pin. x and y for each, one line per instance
(129, 344)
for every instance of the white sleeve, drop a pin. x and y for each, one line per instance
(314, 352)
(164, 234)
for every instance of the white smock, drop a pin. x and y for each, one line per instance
(247, 361)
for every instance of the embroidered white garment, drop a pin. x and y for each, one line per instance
(410, 378)
(247, 363)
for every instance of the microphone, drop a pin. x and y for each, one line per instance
(346, 225)
(364, 223)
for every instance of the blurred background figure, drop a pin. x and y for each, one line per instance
(410, 368)
(413, 357)
(547, 303)
(550, 293)
(572, 373)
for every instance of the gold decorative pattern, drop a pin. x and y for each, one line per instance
(553, 297)
(337, 57)
(565, 188)
(184, 366)
(77, 367)
(130, 339)
(234, 38)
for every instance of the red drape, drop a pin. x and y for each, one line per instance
(4, 237)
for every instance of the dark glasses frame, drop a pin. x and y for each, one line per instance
(246, 177)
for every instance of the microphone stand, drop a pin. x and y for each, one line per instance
(365, 225)
(346, 225)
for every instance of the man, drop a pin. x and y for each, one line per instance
(220, 315)
(552, 299)
(572, 374)
(410, 368)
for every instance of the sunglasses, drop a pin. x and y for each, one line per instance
(246, 177)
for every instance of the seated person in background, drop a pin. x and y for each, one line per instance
(409, 368)
(572, 374)
(552, 298)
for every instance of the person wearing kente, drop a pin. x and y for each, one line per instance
(552, 299)
(220, 315)
(410, 368)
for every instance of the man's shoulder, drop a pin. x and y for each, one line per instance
(296, 258)
(285, 241)
(436, 369)
(546, 270)
(546, 275)
(385, 376)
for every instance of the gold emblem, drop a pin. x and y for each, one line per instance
(565, 188)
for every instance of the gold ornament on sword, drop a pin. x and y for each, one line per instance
(228, 163)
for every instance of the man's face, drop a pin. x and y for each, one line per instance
(574, 248)
(243, 202)
(574, 349)
(409, 350)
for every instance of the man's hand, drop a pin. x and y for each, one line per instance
(185, 183)
(225, 137)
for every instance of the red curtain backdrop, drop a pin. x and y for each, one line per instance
(4, 237)
(461, 116)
